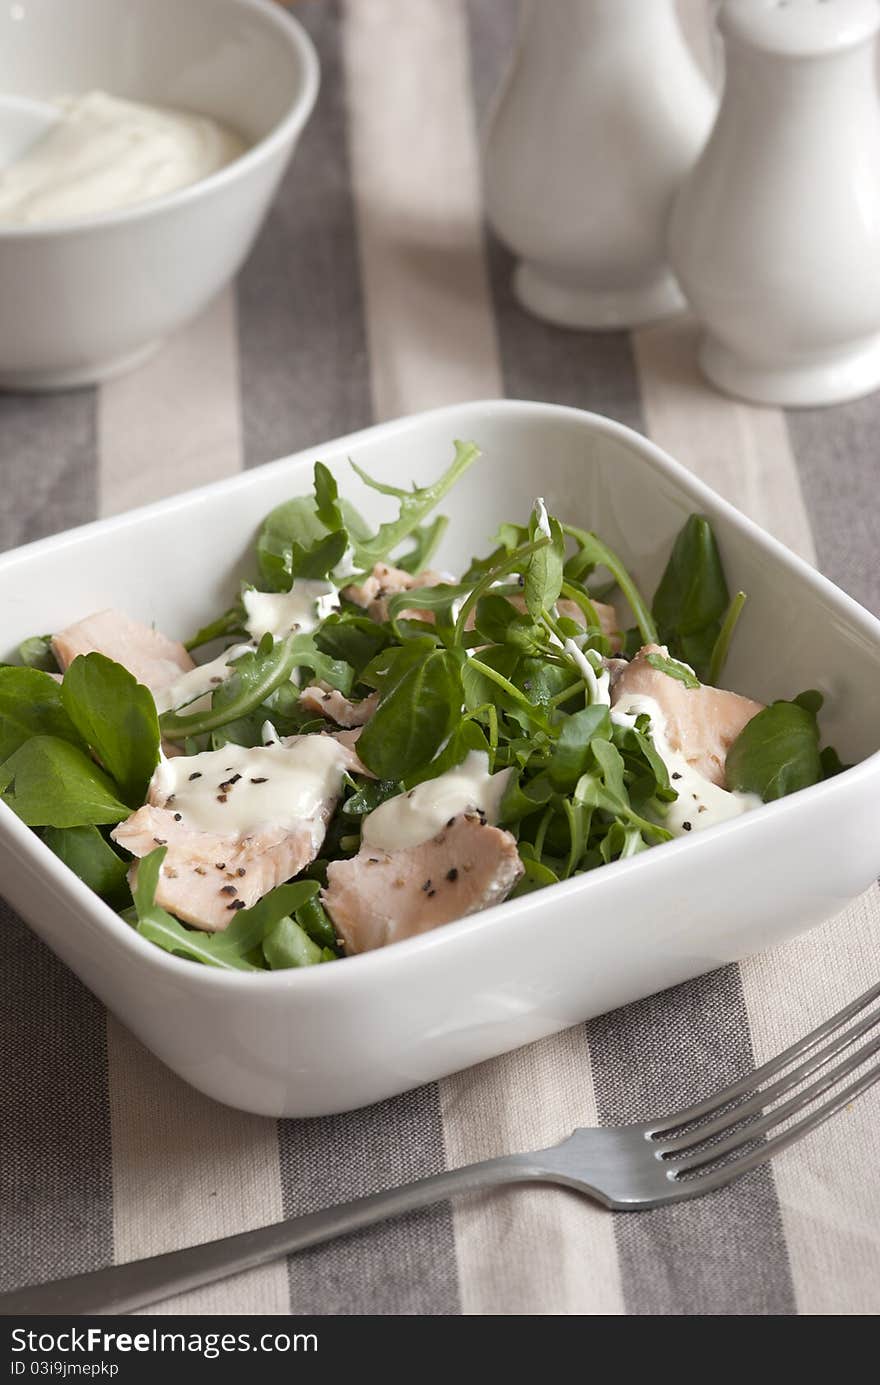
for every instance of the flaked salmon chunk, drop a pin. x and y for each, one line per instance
(702, 723)
(328, 702)
(384, 582)
(207, 877)
(150, 656)
(381, 897)
(277, 805)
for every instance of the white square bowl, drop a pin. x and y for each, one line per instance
(326, 1039)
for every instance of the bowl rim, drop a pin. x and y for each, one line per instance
(39, 857)
(289, 30)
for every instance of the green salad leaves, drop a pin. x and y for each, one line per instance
(510, 661)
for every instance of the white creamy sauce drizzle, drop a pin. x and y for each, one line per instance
(278, 613)
(598, 682)
(415, 817)
(193, 689)
(700, 803)
(543, 518)
(279, 785)
(104, 153)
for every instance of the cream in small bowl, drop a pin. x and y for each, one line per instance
(86, 292)
(100, 153)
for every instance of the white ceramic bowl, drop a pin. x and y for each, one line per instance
(329, 1038)
(82, 300)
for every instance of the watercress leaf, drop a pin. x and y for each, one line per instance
(512, 536)
(351, 639)
(414, 718)
(522, 797)
(811, 701)
(831, 763)
(30, 705)
(426, 540)
(167, 932)
(544, 569)
(369, 795)
(721, 647)
(466, 737)
(415, 505)
(297, 522)
(536, 876)
(674, 669)
(610, 762)
(289, 945)
(692, 598)
(392, 664)
(88, 855)
(327, 498)
(256, 674)
(117, 717)
(50, 783)
(571, 753)
(37, 653)
(776, 753)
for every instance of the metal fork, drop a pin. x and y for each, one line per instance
(626, 1168)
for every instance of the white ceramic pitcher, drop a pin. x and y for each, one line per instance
(775, 236)
(603, 113)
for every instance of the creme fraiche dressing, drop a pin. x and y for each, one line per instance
(237, 789)
(278, 613)
(700, 803)
(415, 817)
(193, 689)
(104, 153)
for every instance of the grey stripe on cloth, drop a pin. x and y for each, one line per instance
(720, 1255)
(47, 464)
(305, 376)
(54, 1123)
(302, 339)
(664, 1256)
(842, 489)
(55, 1193)
(404, 1267)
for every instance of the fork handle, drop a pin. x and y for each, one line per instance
(124, 1288)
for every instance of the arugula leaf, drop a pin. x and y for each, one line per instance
(440, 600)
(231, 623)
(368, 797)
(116, 716)
(327, 498)
(289, 945)
(50, 783)
(413, 718)
(426, 539)
(571, 753)
(312, 917)
(544, 570)
(467, 736)
(721, 647)
(296, 526)
(777, 752)
(256, 675)
(231, 949)
(594, 553)
(37, 653)
(30, 705)
(415, 504)
(320, 559)
(692, 598)
(673, 669)
(89, 856)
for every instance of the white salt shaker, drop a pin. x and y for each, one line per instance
(603, 112)
(775, 236)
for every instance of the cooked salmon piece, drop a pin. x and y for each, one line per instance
(209, 874)
(380, 897)
(328, 702)
(150, 656)
(384, 581)
(702, 723)
(207, 877)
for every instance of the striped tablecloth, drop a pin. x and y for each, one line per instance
(373, 292)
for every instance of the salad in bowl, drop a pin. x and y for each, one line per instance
(365, 748)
